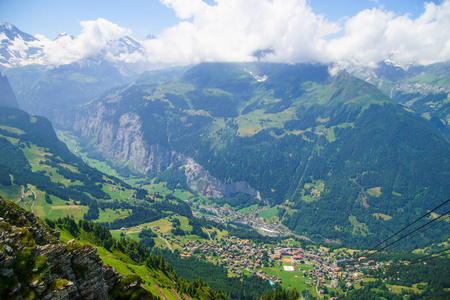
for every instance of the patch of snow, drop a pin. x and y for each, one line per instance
(3, 36)
(18, 45)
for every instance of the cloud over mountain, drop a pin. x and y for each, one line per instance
(234, 30)
(374, 35)
(93, 38)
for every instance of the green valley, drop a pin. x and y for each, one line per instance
(301, 138)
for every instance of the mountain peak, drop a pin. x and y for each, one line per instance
(13, 32)
(7, 26)
(63, 35)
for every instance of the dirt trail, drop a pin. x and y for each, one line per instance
(22, 195)
(167, 242)
(317, 290)
(160, 291)
(209, 235)
(175, 294)
(34, 200)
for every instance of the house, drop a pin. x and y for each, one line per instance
(334, 283)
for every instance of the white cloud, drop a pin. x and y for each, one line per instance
(375, 35)
(94, 37)
(185, 9)
(232, 30)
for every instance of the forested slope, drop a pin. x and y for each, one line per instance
(334, 150)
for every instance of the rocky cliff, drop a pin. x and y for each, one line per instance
(7, 96)
(121, 139)
(34, 264)
(200, 180)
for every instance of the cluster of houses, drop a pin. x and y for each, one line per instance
(218, 214)
(234, 253)
(319, 267)
(325, 269)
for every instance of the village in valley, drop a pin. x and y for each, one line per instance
(317, 267)
(293, 261)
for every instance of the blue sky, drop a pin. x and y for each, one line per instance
(143, 17)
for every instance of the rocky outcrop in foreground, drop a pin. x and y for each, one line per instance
(35, 264)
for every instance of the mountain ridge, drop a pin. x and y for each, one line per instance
(301, 136)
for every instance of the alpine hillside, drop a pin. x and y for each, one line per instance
(339, 157)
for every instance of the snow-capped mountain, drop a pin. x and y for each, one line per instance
(18, 49)
(53, 75)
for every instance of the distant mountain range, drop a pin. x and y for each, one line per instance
(18, 49)
(43, 88)
(423, 89)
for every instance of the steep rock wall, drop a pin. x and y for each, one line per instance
(120, 138)
(200, 180)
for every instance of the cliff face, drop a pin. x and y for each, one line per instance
(200, 180)
(7, 96)
(34, 264)
(121, 140)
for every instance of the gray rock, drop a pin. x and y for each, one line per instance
(15, 289)
(8, 262)
(8, 248)
(41, 287)
(7, 272)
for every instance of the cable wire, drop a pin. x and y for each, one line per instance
(409, 234)
(419, 259)
(408, 225)
(426, 230)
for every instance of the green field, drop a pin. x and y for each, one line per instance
(185, 224)
(358, 228)
(11, 192)
(255, 121)
(375, 192)
(117, 192)
(293, 279)
(269, 214)
(164, 225)
(12, 129)
(247, 210)
(109, 215)
(58, 209)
